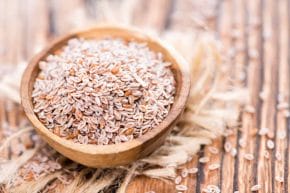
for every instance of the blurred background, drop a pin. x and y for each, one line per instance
(26, 26)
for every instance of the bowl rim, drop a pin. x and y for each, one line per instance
(94, 149)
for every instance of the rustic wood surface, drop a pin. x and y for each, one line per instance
(254, 32)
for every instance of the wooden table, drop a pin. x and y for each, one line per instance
(254, 32)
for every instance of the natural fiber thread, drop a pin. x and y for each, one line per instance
(14, 136)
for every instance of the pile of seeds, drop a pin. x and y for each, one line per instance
(43, 163)
(103, 91)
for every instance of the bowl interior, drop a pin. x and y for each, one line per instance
(178, 69)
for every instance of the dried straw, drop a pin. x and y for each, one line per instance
(104, 182)
(10, 168)
(161, 173)
(128, 177)
(14, 136)
(35, 186)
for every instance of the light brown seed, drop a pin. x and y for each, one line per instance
(192, 170)
(234, 152)
(270, 144)
(250, 109)
(266, 154)
(279, 179)
(213, 150)
(214, 166)
(211, 189)
(184, 172)
(41, 76)
(204, 159)
(249, 156)
(177, 180)
(181, 187)
(242, 142)
(29, 176)
(56, 130)
(263, 131)
(281, 134)
(78, 114)
(227, 146)
(115, 69)
(128, 131)
(102, 123)
(128, 92)
(72, 72)
(278, 156)
(100, 95)
(256, 187)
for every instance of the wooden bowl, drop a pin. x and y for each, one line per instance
(115, 154)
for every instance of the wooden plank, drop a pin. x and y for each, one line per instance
(145, 184)
(236, 57)
(265, 172)
(239, 37)
(247, 169)
(224, 176)
(283, 98)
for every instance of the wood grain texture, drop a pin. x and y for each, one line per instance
(254, 32)
(250, 121)
(230, 12)
(281, 149)
(265, 175)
